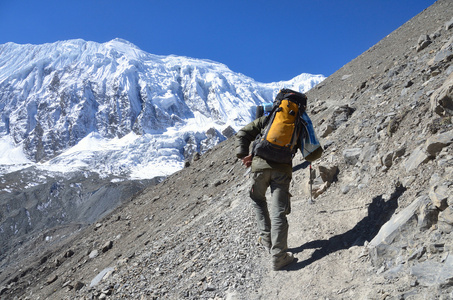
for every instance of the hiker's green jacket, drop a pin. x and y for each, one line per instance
(245, 137)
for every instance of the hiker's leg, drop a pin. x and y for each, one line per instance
(260, 183)
(280, 204)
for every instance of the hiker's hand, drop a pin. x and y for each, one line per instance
(247, 161)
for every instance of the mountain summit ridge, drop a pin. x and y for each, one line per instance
(56, 94)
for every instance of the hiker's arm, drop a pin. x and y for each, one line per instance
(247, 135)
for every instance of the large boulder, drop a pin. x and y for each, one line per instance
(417, 157)
(436, 143)
(442, 98)
(381, 244)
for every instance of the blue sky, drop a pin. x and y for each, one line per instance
(268, 40)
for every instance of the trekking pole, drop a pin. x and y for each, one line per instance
(311, 186)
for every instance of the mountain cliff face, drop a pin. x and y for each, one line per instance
(377, 226)
(54, 95)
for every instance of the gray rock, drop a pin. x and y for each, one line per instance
(417, 157)
(351, 156)
(78, 285)
(399, 152)
(328, 173)
(387, 159)
(326, 130)
(101, 275)
(3, 290)
(423, 42)
(228, 132)
(52, 279)
(445, 221)
(341, 115)
(444, 55)
(107, 246)
(407, 181)
(381, 243)
(69, 253)
(441, 100)
(439, 196)
(417, 254)
(436, 143)
(429, 273)
(449, 24)
(93, 254)
(427, 216)
(345, 189)
(368, 153)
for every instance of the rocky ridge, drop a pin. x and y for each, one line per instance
(378, 225)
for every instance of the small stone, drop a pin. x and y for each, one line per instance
(345, 189)
(78, 285)
(407, 181)
(423, 42)
(413, 282)
(58, 262)
(3, 290)
(449, 24)
(209, 287)
(436, 248)
(43, 260)
(52, 279)
(93, 254)
(387, 159)
(218, 182)
(107, 246)
(68, 253)
(417, 254)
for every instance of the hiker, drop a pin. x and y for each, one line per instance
(274, 171)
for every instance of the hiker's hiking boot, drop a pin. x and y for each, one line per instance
(265, 243)
(281, 262)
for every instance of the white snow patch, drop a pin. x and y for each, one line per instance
(11, 154)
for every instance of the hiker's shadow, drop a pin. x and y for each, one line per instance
(303, 165)
(379, 212)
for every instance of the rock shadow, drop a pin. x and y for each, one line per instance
(379, 212)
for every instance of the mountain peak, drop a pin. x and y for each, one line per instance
(122, 41)
(56, 94)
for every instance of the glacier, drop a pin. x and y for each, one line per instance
(114, 109)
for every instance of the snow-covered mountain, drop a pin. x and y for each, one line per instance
(115, 109)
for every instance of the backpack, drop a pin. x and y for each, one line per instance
(282, 128)
(309, 145)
